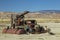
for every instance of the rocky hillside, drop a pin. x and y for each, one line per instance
(39, 14)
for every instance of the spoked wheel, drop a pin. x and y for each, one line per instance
(21, 31)
(4, 30)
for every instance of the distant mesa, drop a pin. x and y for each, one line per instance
(50, 11)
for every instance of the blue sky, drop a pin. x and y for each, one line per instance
(28, 5)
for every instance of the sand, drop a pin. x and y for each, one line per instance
(55, 27)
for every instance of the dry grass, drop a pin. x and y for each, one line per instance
(44, 20)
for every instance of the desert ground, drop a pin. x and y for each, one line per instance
(55, 28)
